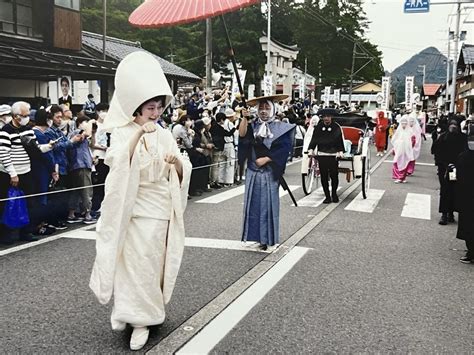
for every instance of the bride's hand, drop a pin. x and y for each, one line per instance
(171, 159)
(149, 127)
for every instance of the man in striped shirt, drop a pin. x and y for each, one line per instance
(15, 165)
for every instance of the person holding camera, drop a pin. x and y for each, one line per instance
(446, 149)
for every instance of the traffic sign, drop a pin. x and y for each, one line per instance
(416, 6)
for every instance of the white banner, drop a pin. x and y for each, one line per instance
(337, 96)
(267, 85)
(327, 92)
(235, 85)
(385, 93)
(301, 87)
(409, 89)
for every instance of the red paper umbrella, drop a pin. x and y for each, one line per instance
(161, 13)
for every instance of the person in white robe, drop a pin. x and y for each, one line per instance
(140, 234)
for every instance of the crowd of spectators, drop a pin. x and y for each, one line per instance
(59, 157)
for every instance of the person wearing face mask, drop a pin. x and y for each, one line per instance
(446, 149)
(99, 145)
(6, 166)
(67, 123)
(140, 233)
(15, 169)
(265, 145)
(80, 175)
(402, 142)
(328, 141)
(465, 196)
(61, 148)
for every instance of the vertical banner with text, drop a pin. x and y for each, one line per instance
(409, 89)
(337, 97)
(385, 93)
(301, 88)
(267, 85)
(327, 93)
(235, 85)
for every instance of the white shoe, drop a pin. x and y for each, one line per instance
(139, 338)
(118, 325)
(397, 181)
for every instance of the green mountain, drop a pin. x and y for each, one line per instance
(435, 63)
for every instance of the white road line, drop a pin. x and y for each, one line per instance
(188, 242)
(359, 204)
(314, 199)
(292, 188)
(417, 206)
(224, 196)
(237, 191)
(417, 163)
(220, 326)
(39, 242)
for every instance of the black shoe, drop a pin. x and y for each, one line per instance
(29, 238)
(443, 220)
(451, 218)
(195, 193)
(335, 199)
(327, 200)
(466, 260)
(58, 225)
(42, 231)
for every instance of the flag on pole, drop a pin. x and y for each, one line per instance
(235, 85)
(267, 85)
(385, 93)
(409, 89)
(337, 97)
(327, 92)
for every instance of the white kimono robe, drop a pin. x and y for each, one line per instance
(138, 255)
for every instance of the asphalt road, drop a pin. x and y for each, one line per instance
(369, 282)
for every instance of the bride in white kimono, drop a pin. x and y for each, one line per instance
(140, 234)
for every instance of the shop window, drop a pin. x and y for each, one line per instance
(16, 17)
(69, 4)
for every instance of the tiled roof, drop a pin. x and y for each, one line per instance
(431, 89)
(118, 48)
(468, 54)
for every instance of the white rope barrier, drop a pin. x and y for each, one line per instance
(96, 185)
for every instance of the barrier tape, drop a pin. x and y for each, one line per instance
(96, 185)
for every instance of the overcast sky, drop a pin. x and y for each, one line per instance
(400, 36)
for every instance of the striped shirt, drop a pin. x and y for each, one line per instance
(14, 158)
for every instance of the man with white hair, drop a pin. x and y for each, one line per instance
(15, 167)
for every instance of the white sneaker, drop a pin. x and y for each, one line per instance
(139, 338)
(397, 181)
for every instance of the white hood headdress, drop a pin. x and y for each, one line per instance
(139, 77)
(264, 130)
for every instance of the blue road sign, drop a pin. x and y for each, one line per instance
(417, 6)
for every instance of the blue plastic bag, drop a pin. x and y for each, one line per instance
(15, 213)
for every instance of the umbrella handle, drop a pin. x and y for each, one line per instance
(234, 63)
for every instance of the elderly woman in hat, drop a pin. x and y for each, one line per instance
(327, 145)
(140, 234)
(265, 144)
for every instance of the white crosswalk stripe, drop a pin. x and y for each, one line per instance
(314, 199)
(359, 204)
(237, 191)
(417, 206)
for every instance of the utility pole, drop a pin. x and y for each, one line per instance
(305, 73)
(104, 43)
(447, 70)
(424, 73)
(455, 61)
(354, 51)
(269, 29)
(208, 55)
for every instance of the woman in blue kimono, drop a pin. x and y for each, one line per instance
(266, 145)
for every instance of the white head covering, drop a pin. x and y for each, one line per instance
(139, 77)
(264, 130)
(402, 145)
(416, 131)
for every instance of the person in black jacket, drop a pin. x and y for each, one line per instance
(328, 140)
(446, 149)
(465, 197)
